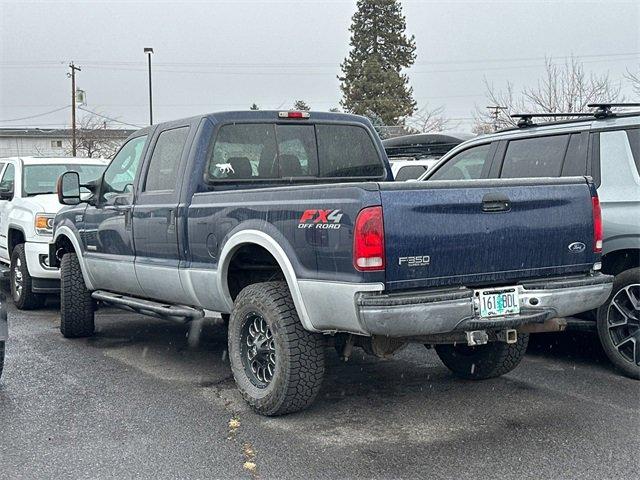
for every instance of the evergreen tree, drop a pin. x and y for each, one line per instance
(254, 107)
(372, 80)
(301, 105)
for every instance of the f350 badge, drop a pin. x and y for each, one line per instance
(414, 261)
(325, 219)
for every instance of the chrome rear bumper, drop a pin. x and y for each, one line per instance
(449, 310)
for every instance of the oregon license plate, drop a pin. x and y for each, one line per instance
(504, 301)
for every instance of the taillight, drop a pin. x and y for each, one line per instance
(597, 225)
(368, 240)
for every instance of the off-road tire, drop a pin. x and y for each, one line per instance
(1, 357)
(484, 361)
(622, 280)
(300, 356)
(76, 305)
(26, 299)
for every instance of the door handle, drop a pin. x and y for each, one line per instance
(495, 203)
(171, 221)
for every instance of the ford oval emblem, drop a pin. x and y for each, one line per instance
(577, 247)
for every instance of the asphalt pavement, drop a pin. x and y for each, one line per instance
(148, 399)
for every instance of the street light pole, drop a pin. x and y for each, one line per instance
(72, 75)
(149, 51)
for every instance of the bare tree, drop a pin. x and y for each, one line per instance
(95, 139)
(564, 88)
(426, 120)
(634, 79)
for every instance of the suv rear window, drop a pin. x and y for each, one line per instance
(535, 157)
(267, 151)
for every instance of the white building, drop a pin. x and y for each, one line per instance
(38, 142)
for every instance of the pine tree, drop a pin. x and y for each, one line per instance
(254, 107)
(372, 80)
(301, 105)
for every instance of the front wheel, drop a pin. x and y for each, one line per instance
(277, 365)
(22, 282)
(76, 305)
(484, 361)
(619, 323)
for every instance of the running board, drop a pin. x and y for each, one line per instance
(179, 313)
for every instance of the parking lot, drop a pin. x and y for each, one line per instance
(138, 400)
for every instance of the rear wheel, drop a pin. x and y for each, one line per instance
(22, 282)
(277, 365)
(619, 323)
(76, 305)
(484, 361)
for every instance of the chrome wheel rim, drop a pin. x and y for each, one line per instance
(623, 322)
(18, 280)
(258, 350)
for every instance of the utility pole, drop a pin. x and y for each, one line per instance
(72, 75)
(495, 113)
(149, 51)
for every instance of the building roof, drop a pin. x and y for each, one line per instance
(61, 132)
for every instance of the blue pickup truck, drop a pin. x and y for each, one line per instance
(286, 223)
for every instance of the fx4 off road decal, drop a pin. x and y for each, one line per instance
(326, 219)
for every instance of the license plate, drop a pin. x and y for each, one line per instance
(504, 301)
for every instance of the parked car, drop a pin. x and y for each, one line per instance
(286, 223)
(412, 155)
(28, 204)
(606, 147)
(403, 170)
(4, 330)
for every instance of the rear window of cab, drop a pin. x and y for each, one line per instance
(247, 152)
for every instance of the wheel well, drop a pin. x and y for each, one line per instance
(618, 261)
(14, 238)
(251, 264)
(63, 245)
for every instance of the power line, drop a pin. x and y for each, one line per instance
(109, 118)
(35, 116)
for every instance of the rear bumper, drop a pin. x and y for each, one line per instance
(450, 310)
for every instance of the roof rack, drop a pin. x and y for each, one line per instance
(603, 110)
(526, 119)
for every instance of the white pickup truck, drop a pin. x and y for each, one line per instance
(28, 204)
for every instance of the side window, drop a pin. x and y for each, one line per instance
(575, 162)
(466, 165)
(535, 157)
(634, 141)
(162, 173)
(120, 174)
(410, 172)
(8, 179)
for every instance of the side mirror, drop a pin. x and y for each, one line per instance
(68, 188)
(6, 192)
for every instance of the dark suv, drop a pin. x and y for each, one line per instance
(605, 146)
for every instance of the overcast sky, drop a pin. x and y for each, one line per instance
(221, 55)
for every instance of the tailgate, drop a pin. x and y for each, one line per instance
(486, 231)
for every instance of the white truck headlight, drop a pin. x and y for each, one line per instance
(44, 223)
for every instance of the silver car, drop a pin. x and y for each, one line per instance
(605, 146)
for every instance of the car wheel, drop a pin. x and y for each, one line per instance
(277, 365)
(76, 305)
(483, 361)
(619, 323)
(21, 282)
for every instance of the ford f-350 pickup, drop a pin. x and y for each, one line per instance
(286, 223)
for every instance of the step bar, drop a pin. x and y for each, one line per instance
(179, 313)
